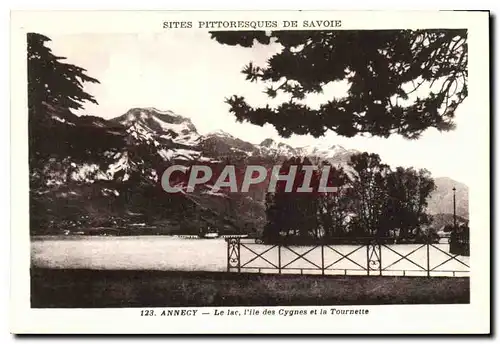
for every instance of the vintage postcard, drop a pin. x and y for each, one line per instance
(250, 172)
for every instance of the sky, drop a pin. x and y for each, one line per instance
(187, 72)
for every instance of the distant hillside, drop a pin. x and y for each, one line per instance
(441, 220)
(441, 200)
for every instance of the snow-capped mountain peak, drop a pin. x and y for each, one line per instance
(322, 150)
(174, 138)
(220, 133)
(271, 147)
(145, 123)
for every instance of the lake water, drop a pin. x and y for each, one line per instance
(174, 253)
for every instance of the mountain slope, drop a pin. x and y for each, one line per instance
(440, 221)
(441, 200)
(120, 183)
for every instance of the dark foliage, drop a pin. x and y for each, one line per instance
(375, 202)
(55, 89)
(400, 81)
(53, 84)
(58, 139)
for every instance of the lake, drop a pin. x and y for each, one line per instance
(183, 254)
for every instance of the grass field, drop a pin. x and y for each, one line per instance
(73, 288)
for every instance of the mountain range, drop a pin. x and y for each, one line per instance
(121, 185)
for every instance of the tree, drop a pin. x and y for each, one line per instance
(271, 231)
(399, 81)
(370, 200)
(370, 194)
(408, 191)
(55, 90)
(335, 207)
(293, 213)
(306, 203)
(53, 86)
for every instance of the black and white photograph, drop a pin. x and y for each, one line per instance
(241, 167)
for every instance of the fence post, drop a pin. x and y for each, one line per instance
(322, 259)
(233, 254)
(279, 258)
(380, 258)
(428, 259)
(368, 259)
(228, 257)
(239, 258)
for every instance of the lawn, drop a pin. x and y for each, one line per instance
(74, 288)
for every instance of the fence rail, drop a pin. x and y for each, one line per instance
(372, 259)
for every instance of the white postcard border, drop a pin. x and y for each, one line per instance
(471, 318)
